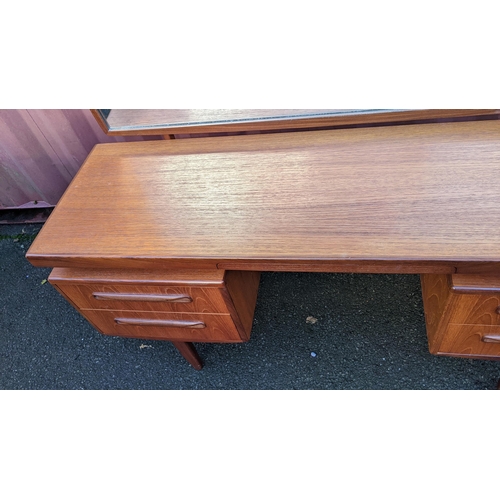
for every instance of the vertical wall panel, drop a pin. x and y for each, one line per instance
(41, 151)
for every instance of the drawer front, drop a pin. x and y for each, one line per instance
(184, 327)
(475, 341)
(476, 309)
(145, 298)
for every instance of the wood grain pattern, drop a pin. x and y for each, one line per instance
(473, 283)
(436, 298)
(182, 121)
(124, 298)
(242, 288)
(458, 323)
(203, 300)
(484, 267)
(418, 193)
(218, 327)
(475, 309)
(390, 266)
(158, 277)
(468, 341)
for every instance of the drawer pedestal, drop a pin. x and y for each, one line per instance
(181, 307)
(462, 314)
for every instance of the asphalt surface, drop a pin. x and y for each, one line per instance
(364, 332)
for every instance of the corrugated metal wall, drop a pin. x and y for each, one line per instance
(41, 151)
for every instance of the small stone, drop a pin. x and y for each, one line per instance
(313, 354)
(311, 320)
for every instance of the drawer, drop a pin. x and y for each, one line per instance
(225, 299)
(184, 327)
(462, 315)
(144, 298)
(476, 309)
(475, 341)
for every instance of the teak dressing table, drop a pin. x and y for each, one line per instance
(166, 239)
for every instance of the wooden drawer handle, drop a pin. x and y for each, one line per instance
(492, 338)
(172, 323)
(141, 297)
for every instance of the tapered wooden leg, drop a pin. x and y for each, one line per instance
(188, 350)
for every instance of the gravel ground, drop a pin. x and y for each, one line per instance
(363, 332)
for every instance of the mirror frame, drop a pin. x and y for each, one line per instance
(305, 122)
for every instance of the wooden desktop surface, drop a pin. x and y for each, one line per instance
(400, 198)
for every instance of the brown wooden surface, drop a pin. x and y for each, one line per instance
(157, 277)
(139, 310)
(242, 288)
(436, 298)
(389, 266)
(219, 327)
(182, 121)
(418, 193)
(458, 323)
(468, 341)
(476, 309)
(189, 353)
(203, 300)
(473, 283)
(100, 119)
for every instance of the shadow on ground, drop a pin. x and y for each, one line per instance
(363, 332)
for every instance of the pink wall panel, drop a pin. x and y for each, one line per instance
(41, 151)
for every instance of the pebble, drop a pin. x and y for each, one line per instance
(313, 354)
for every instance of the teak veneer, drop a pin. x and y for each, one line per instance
(147, 224)
(216, 121)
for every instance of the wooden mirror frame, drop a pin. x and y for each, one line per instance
(136, 121)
